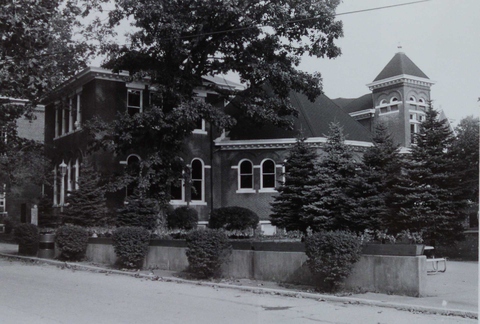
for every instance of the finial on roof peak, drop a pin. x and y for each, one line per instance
(399, 46)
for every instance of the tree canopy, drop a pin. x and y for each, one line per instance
(174, 44)
(37, 49)
(179, 42)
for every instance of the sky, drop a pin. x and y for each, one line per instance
(440, 36)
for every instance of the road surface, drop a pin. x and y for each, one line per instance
(36, 293)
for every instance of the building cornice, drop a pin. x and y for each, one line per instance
(403, 78)
(281, 143)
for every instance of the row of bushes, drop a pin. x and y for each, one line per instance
(229, 218)
(330, 254)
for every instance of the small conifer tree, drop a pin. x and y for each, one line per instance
(139, 211)
(86, 205)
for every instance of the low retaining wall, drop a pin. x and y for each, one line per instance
(401, 275)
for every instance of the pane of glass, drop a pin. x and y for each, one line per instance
(196, 193)
(133, 98)
(176, 191)
(246, 167)
(269, 181)
(246, 181)
(197, 170)
(268, 167)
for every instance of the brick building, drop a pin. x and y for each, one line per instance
(242, 166)
(31, 128)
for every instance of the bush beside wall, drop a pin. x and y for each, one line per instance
(72, 242)
(130, 244)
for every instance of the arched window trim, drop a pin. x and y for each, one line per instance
(394, 99)
(262, 174)
(239, 176)
(412, 99)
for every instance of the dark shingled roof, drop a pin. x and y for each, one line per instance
(342, 102)
(361, 103)
(313, 121)
(398, 65)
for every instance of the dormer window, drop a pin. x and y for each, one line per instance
(134, 101)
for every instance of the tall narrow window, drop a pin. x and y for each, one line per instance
(134, 101)
(77, 173)
(246, 175)
(197, 190)
(69, 176)
(268, 175)
(133, 168)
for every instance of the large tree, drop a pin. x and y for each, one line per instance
(371, 188)
(328, 204)
(176, 43)
(300, 167)
(37, 50)
(465, 152)
(426, 198)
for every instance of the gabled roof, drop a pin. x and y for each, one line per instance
(361, 103)
(314, 120)
(342, 102)
(400, 64)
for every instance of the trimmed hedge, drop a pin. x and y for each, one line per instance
(207, 250)
(72, 242)
(331, 256)
(130, 244)
(233, 218)
(27, 237)
(182, 218)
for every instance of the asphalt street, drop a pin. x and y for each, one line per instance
(39, 293)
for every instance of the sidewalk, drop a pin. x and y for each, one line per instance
(454, 292)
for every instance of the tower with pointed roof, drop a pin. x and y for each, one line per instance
(400, 94)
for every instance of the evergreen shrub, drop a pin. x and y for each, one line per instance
(138, 212)
(331, 256)
(233, 218)
(130, 244)
(182, 218)
(72, 242)
(27, 237)
(207, 250)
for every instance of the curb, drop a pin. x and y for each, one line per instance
(257, 290)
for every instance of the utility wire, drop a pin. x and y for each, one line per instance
(258, 25)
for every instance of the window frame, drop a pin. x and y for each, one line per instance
(240, 174)
(200, 201)
(140, 107)
(263, 174)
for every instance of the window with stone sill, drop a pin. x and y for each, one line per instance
(134, 101)
(268, 179)
(245, 176)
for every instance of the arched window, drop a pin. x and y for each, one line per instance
(394, 99)
(245, 179)
(268, 175)
(133, 167)
(421, 100)
(383, 102)
(412, 98)
(198, 186)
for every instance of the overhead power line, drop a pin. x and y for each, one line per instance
(260, 25)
